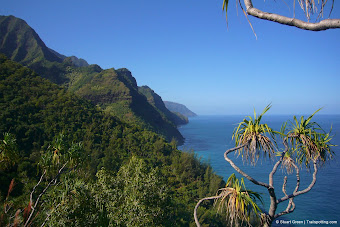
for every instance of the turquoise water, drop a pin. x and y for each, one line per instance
(211, 136)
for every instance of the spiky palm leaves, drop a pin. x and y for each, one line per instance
(309, 141)
(238, 202)
(252, 134)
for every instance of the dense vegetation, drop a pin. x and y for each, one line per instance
(117, 93)
(64, 161)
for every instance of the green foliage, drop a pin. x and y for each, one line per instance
(72, 203)
(137, 196)
(309, 141)
(237, 202)
(59, 153)
(193, 180)
(252, 134)
(8, 151)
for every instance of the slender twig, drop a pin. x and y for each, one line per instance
(49, 215)
(52, 182)
(33, 190)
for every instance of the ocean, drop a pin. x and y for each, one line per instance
(210, 136)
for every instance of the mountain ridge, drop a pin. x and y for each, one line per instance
(17, 44)
(156, 100)
(114, 91)
(179, 108)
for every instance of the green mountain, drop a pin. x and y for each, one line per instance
(114, 91)
(156, 101)
(21, 43)
(111, 167)
(179, 108)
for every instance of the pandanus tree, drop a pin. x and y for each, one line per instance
(305, 144)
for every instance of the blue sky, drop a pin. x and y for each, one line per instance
(184, 51)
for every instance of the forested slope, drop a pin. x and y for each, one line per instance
(110, 172)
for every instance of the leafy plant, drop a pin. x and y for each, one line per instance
(310, 141)
(251, 136)
(238, 203)
(9, 154)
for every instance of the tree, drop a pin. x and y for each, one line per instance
(305, 144)
(136, 196)
(310, 7)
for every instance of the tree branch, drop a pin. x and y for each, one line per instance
(320, 26)
(48, 216)
(271, 181)
(199, 202)
(239, 170)
(296, 193)
(291, 205)
(271, 191)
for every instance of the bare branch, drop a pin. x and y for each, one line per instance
(291, 205)
(296, 193)
(320, 26)
(52, 182)
(271, 181)
(33, 190)
(49, 215)
(199, 202)
(239, 170)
